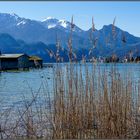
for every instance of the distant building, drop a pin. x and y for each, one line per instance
(137, 59)
(14, 61)
(35, 62)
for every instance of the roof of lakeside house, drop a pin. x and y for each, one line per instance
(35, 58)
(11, 55)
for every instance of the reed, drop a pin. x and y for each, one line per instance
(87, 101)
(91, 105)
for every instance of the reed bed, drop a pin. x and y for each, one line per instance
(95, 104)
(87, 101)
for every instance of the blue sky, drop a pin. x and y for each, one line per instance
(127, 13)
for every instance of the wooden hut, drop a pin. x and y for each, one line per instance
(137, 59)
(35, 62)
(14, 61)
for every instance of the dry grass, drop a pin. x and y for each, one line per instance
(92, 105)
(87, 102)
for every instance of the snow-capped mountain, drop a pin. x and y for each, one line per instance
(11, 19)
(49, 22)
(62, 24)
(32, 31)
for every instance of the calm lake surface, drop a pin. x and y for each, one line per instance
(18, 86)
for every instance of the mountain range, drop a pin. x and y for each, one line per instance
(33, 37)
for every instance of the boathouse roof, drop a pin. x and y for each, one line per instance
(35, 58)
(11, 55)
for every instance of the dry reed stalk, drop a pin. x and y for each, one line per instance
(88, 102)
(95, 106)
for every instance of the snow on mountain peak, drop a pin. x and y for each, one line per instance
(51, 26)
(63, 23)
(50, 22)
(62, 20)
(48, 18)
(21, 23)
(14, 15)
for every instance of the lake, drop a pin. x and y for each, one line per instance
(17, 86)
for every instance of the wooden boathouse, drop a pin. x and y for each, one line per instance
(14, 61)
(35, 62)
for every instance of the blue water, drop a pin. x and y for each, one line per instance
(17, 86)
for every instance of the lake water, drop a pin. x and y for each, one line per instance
(17, 86)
